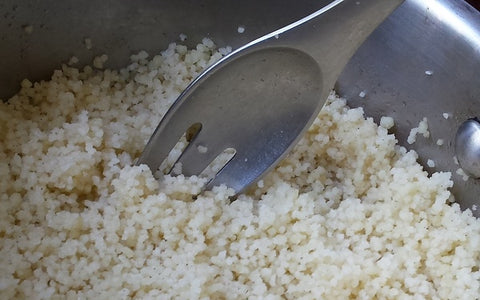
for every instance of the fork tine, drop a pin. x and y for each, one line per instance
(198, 155)
(164, 138)
(234, 176)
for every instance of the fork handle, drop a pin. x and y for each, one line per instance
(332, 34)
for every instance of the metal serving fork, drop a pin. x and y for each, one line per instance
(260, 98)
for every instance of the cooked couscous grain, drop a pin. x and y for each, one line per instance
(347, 215)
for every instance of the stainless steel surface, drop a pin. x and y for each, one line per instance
(123, 27)
(261, 98)
(467, 147)
(437, 35)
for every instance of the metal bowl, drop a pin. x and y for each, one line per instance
(423, 61)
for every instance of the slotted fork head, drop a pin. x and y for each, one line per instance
(258, 116)
(260, 99)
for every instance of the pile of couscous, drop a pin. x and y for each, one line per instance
(348, 214)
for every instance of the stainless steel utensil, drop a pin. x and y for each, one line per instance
(261, 98)
(467, 147)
